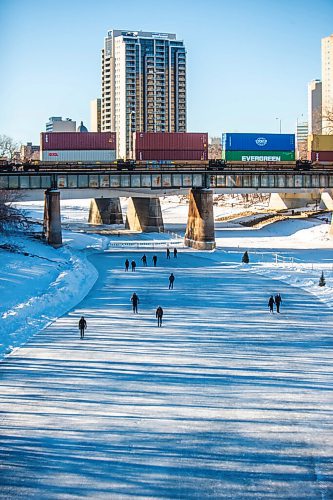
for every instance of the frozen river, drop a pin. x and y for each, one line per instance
(225, 401)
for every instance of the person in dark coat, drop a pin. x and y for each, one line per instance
(271, 304)
(278, 301)
(159, 315)
(144, 260)
(171, 281)
(126, 264)
(155, 260)
(175, 252)
(135, 301)
(82, 326)
(133, 265)
(168, 253)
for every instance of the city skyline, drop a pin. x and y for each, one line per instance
(248, 66)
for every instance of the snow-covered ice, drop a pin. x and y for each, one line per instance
(224, 401)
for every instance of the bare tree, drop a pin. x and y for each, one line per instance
(302, 148)
(328, 121)
(9, 215)
(8, 147)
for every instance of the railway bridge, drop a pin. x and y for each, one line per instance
(289, 189)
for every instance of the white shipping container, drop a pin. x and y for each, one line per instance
(100, 155)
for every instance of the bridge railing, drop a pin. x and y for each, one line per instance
(153, 244)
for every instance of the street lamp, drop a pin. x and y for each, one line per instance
(279, 123)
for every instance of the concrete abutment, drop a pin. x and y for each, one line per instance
(284, 201)
(105, 211)
(144, 214)
(200, 233)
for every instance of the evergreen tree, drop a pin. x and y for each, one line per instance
(245, 258)
(322, 281)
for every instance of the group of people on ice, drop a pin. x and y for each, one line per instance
(159, 311)
(277, 300)
(145, 262)
(135, 298)
(274, 300)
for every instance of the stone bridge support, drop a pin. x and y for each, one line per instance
(52, 220)
(200, 232)
(327, 203)
(283, 201)
(144, 214)
(105, 211)
(326, 200)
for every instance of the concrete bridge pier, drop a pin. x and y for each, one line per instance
(52, 220)
(327, 203)
(144, 214)
(283, 201)
(200, 232)
(105, 211)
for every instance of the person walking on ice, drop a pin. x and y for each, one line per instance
(168, 253)
(82, 326)
(271, 304)
(133, 265)
(278, 301)
(171, 281)
(126, 264)
(135, 301)
(159, 315)
(154, 260)
(144, 260)
(175, 252)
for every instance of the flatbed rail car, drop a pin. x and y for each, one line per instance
(130, 165)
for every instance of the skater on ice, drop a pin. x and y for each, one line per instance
(135, 301)
(144, 260)
(278, 301)
(271, 304)
(82, 326)
(171, 281)
(159, 315)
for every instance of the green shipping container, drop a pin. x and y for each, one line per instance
(258, 156)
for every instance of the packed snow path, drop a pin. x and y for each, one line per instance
(224, 401)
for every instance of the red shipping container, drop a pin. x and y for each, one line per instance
(172, 155)
(320, 156)
(170, 141)
(77, 140)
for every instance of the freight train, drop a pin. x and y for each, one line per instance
(173, 150)
(130, 165)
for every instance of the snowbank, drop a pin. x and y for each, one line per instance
(37, 285)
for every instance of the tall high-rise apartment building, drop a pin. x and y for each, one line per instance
(143, 85)
(95, 115)
(315, 106)
(327, 83)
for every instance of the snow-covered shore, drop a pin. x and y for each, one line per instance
(37, 285)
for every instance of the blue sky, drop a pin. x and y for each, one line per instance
(248, 61)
